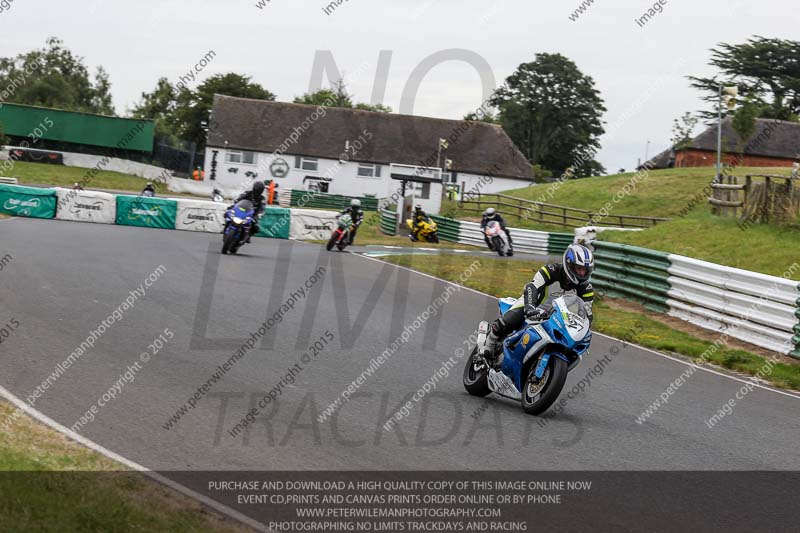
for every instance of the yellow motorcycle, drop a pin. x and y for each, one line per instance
(429, 232)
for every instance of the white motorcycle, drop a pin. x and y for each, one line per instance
(498, 239)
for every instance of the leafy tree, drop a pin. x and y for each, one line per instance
(553, 113)
(682, 129)
(159, 105)
(338, 96)
(193, 107)
(540, 175)
(379, 108)
(767, 72)
(55, 77)
(489, 118)
(325, 98)
(744, 121)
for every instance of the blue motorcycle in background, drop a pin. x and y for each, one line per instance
(238, 220)
(535, 360)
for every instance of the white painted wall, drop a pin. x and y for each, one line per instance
(344, 176)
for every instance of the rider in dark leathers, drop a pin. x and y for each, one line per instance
(357, 214)
(572, 274)
(489, 215)
(417, 218)
(256, 197)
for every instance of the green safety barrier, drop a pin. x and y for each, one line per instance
(23, 201)
(449, 229)
(310, 199)
(557, 243)
(388, 222)
(147, 212)
(632, 273)
(275, 223)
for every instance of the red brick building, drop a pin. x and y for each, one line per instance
(775, 143)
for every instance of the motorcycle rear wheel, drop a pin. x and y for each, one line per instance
(476, 380)
(539, 395)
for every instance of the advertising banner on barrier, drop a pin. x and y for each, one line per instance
(146, 212)
(311, 224)
(275, 223)
(200, 215)
(22, 201)
(86, 206)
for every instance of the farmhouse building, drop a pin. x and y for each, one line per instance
(357, 153)
(775, 143)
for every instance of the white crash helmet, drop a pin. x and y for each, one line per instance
(490, 213)
(355, 202)
(578, 263)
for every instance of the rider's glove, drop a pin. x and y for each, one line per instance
(535, 314)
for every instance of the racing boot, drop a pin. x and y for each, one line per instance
(488, 341)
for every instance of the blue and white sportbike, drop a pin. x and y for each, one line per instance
(534, 362)
(238, 220)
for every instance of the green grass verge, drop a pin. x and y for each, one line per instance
(49, 483)
(676, 194)
(761, 248)
(507, 278)
(61, 176)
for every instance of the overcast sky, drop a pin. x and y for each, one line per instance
(640, 71)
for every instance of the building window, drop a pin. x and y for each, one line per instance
(421, 190)
(367, 170)
(241, 157)
(306, 163)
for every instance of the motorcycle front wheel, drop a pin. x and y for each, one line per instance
(228, 242)
(539, 394)
(331, 243)
(476, 376)
(498, 245)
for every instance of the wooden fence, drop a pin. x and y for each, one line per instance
(557, 215)
(761, 198)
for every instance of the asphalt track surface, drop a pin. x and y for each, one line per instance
(66, 278)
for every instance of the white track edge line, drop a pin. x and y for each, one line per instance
(186, 491)
(649, 350)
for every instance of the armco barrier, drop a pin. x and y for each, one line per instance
(200, 215)
(449, 229)
(557, 243)
(311, 224)
(388, 222)
(796, 338)
(336, 202)
(146, 212)
(86, 206)
(632, 273)
(460, 231)
(21, 201)
(756, 308)
(275, 223)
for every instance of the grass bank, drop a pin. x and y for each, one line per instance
(618, 319)
(61, 176)
(676, 194)
(49, 483)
